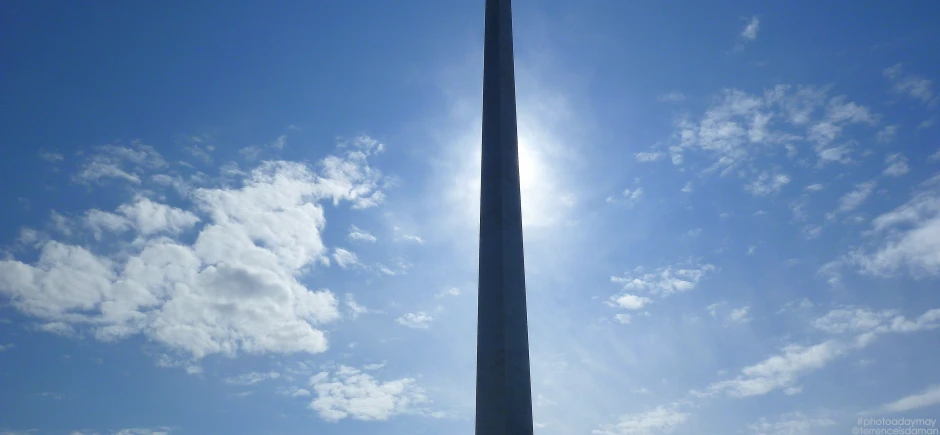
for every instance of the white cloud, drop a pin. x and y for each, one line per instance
(407, 237)
(897, 165)
(453, 291)
(912, 85)
(665, 280)
(629, 197)
(661, 420)
(735, 315)
(419, 320)
(887, 134)
(852, 200)
(233, 289)
(814, 187)
(412, 238)
(739, 315)
(251, 378)
(648, 156)
(767, 183)
(350, 393)
(100, 222)
(741, 134)
(779, 371)
(357, 234)
(113, 161)
(790, 424)
(909, 236)
(687, 188)
(782, 371)
(344, 258)
(6, 347)
(623, 318)
(631, 302)
(143, 215)
(867, 325)
(354, 308)
(51, 157)
(750, 32)
(929, 397)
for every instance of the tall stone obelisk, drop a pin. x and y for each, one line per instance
(504, 394)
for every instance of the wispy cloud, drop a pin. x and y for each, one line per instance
(661, 420)
(906, 236)
(912, 85)
(665, 281)
(251, 378)
(357, 234)
(672, 97)
(628, 197)
(928, 397)
(897, 165)
(419, 320)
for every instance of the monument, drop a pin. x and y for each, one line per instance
(504, 393)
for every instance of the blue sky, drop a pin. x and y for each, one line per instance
(261, 219)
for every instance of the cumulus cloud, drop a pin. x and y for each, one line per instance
(232, 287)
(142, 215)
(350, 393)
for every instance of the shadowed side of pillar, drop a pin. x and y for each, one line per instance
(504, 396)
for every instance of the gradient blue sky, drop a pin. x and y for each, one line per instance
(247, 218)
